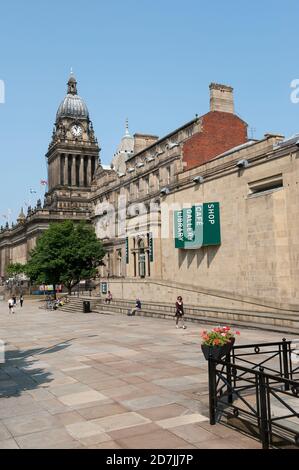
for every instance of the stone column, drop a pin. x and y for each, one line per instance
(74, 171)
(93, 167)
(61, 169)
(53, 163)
(88, 171)
(81, 173)
(53, 173)
(96, 162)
(58, 170)
(65, 169)
(49, 176)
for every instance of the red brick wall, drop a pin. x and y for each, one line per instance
(220, 132)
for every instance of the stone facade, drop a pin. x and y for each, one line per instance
(257, 261)
(132, 204)
(255, 267)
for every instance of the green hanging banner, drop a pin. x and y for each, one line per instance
(127, 250)
(197, 226)
(151, 246)
(193, 227)
(179, 229)
(211, 218)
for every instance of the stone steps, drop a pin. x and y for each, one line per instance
(293, 316)
(281, 323)
(75, 304)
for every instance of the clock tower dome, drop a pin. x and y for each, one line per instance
(73, 155)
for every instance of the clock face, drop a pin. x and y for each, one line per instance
(76, 130)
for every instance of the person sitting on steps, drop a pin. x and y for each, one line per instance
(136, 309)
(108, 298)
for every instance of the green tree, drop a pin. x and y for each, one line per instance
(65, 254)
(13, 269)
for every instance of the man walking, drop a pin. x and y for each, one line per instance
(21, 300)
(11, 305)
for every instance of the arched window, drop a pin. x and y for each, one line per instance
(141, 258)
(119, 262)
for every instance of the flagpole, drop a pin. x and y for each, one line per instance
(9, 215)
(45, 184)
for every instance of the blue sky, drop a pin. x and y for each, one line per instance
(148, 60)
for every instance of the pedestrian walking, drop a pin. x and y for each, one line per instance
(11, 305)
(21, 300)
(14, 300)
(179, 312)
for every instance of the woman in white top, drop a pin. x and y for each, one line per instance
(11, 305)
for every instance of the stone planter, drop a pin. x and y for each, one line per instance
(217, 352)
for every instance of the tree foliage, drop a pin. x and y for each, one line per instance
(65, 254)
(13, 269)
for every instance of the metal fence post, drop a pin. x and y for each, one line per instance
(212, 390)
(264, 429)
(229, 379)
(285, 362)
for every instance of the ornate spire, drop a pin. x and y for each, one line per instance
(21, 217)
(72, 84)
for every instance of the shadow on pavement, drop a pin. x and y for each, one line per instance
(23, 370)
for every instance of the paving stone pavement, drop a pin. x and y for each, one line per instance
(74, 380)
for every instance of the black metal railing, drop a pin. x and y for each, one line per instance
(275, 358)
(256, 388)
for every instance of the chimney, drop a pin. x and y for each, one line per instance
(221, 98)
(142, 141)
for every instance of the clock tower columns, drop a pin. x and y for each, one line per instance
(73, 154)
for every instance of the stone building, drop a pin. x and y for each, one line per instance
(202, 178)
(72, 159)
(208, 160)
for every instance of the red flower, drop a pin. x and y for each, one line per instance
(218, 336)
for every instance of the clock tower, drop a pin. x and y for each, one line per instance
(73, 155)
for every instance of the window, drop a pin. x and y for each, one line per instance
(119, 262)
(156, 180)
(141, 259)
(265, 185)
(167, 174)
(146, 184)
